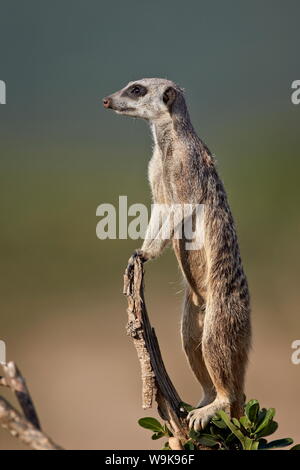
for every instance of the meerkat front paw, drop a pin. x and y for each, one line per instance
(137, 254)
(199, 417)
(141, 254)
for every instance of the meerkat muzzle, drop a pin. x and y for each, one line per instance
(107, 102)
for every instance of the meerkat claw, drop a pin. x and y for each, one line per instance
(200, 417)
(197, 419)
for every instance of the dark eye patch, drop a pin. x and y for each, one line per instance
(135, 91)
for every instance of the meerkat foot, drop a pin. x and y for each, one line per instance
(200, 417)
(206, 400)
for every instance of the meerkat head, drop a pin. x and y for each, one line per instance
(152, 99)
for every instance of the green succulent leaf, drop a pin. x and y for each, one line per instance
(207, 440)
(151, 423)
(219, 434)
(251, 410)
(268, 430)
(255, 445)
(217, 421)
(248, 443)
(296, 447)
(194, 434)
(157, 435)
(245, 422)
(167, 431)
(233, 428)
(189, 445)
(262, 443)
(261, 416)
(266, 420)
(236, 422)
(166, 446)
(279, 443)
(230, 438)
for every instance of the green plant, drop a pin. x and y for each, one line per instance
(159, 429)
(223, 433)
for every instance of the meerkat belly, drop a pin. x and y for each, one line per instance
(193, 266)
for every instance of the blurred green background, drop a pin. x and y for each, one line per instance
(62, 311)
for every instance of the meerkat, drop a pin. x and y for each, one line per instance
(215, 326)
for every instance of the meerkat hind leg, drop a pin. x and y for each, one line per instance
(191, 332)
(225, 357)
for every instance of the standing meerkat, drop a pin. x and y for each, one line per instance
(215, 327)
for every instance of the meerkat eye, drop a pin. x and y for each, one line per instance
(135, 90)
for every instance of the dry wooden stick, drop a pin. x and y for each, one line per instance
(133, 280)
(21, 428)
(155, 379)
(26, 428)
(16, 382)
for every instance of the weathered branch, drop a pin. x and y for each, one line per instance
(133, 281)
(155, 379)
(26, 428)
(21, 428)
(16, 382)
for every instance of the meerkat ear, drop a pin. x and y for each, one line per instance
(169, 96)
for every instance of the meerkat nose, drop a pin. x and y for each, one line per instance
(106, 102)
